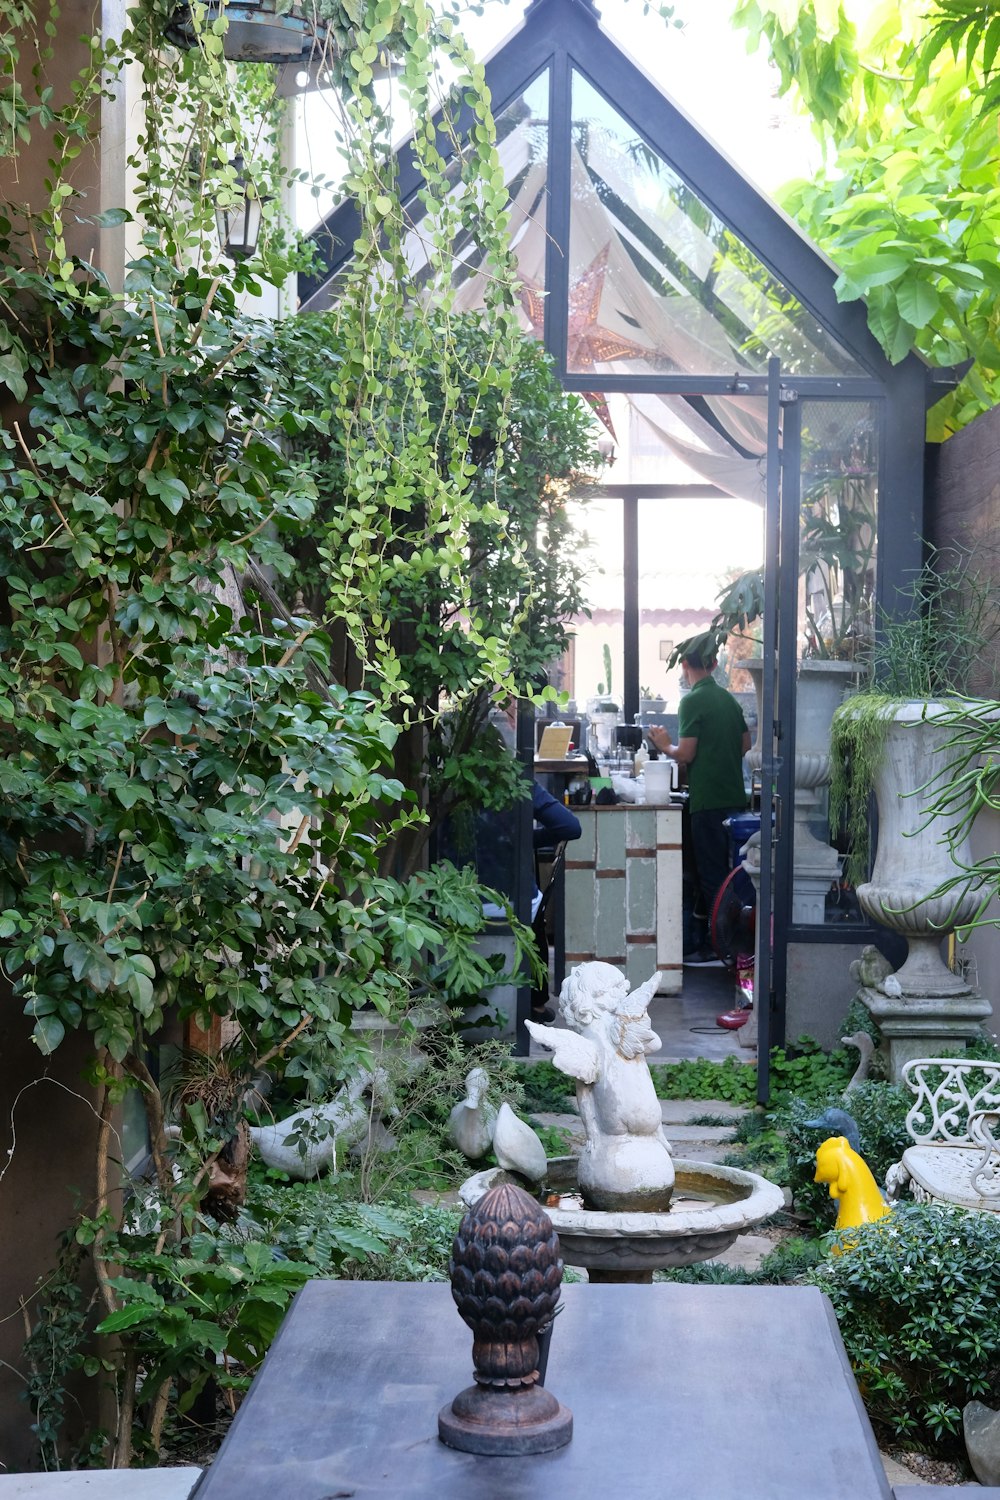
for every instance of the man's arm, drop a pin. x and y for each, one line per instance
(746, 742)
(683, 752)
(557, 824)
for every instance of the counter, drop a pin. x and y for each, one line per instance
(623, 892)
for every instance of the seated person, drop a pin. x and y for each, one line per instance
(554, 824)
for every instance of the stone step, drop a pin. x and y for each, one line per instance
(102, 1484)
(680, 1111)
(745, 1254)
(679, 1135)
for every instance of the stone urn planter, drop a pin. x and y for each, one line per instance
(923, 1007)
(821, 687)
(816, 864)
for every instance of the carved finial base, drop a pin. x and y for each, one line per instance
(483, 1419)
(505, 1275)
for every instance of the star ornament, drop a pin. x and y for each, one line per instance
(587, 343)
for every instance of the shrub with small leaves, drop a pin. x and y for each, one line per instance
(915, 1297)
(802, 1070)
(545, 1088)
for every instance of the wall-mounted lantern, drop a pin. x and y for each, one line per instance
(239, 221)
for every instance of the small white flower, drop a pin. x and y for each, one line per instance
(907, 1270)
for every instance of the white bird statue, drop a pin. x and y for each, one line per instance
(891, 986)
(517, 1147)
(472, 1122)
(306, 1143)
(866, 1051)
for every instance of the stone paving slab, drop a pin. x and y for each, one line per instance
(913, 1489)
(745, 1254)
(102, 1484)
(899, 1475)
(677, 1111)
(715, 1135)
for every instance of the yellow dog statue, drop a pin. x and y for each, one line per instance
(852, 1186)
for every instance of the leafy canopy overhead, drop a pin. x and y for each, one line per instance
(903, 97)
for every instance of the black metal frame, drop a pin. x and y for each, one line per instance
(565, 35)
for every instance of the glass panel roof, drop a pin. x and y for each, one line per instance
(522, 145)
(658, 284)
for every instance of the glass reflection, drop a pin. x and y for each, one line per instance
(837, 547)
(657, 282)
(523, 148)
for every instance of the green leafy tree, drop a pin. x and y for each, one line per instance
(908, 204)
(193, 805)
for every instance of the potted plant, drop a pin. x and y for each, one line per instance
(898, 740)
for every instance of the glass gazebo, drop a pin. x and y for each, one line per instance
(702, 328)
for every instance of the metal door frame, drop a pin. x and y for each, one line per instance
(779, 625)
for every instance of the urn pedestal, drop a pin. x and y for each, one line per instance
(816, 865)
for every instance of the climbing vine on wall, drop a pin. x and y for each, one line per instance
(193, 808)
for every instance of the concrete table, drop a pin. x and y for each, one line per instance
(697, 1392)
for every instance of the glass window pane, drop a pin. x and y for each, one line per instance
(598, 636)
(523, 148)
(658, 284)
(690, 548)
(839, 507)
(663, 439)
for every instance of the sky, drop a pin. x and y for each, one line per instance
(705, 68)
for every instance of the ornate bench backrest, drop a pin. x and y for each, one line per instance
(948, 1090)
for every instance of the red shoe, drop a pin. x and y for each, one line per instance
(732, 1020)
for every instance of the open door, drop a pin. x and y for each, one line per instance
(777, 705)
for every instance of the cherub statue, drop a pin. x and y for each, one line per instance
(625, 1164)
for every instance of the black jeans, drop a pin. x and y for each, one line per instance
(712, 853)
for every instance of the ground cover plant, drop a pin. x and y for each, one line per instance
(804, 1070)
(915, 1299)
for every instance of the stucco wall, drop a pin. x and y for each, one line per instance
(963, 507)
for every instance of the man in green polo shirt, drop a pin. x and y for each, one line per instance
(712, 739)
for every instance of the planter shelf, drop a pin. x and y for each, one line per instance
(258, 30)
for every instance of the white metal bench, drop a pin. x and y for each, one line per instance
(954, 1157)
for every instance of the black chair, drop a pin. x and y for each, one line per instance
(555, 857)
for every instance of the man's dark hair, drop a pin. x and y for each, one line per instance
(702, 658)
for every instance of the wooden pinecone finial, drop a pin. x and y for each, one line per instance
(506, 1271)
(505, 1276)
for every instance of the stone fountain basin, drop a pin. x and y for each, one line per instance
(712, 1205)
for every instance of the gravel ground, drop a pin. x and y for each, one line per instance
(930, 1470)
